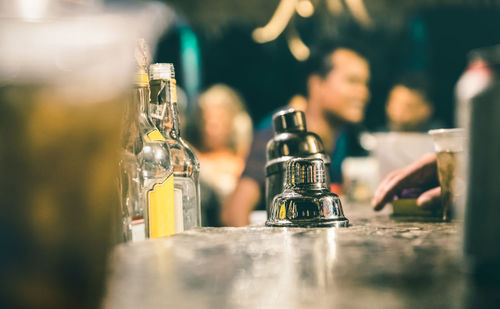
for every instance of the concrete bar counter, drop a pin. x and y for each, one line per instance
(378, 262)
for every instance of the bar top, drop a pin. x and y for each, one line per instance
(379, 261)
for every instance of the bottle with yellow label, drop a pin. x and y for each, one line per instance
(164, 114)
(146, 179)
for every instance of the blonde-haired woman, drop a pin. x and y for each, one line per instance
(222, 138)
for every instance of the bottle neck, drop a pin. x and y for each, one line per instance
(133, 107)
(163, 110)
(143, 99)
(130, 128)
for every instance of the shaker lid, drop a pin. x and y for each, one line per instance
(289, 120)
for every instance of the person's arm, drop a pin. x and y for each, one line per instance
(248, 192)
(420, 174)
(238, 206)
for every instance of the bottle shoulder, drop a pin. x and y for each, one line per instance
(145, 125)
(155, 158)
(182, 151)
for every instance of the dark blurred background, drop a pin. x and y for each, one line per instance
(212, 43)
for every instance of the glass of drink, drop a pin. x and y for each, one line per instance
(62, 86)
(449, 146)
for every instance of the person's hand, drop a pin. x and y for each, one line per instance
(420, 174)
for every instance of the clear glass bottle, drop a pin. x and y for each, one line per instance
(164, 114)
(146, 180)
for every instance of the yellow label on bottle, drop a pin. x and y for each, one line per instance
(155, 136)
(161, 209)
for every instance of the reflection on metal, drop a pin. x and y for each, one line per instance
(297, 47)
(305, 8)
(358, 10)
(277, 24)
(334, 6)
(323, 261)
(332, 244)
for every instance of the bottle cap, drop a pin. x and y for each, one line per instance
(161, 71)
(289, 120)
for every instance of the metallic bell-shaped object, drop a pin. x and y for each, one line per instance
(306, 200)
(291, 140)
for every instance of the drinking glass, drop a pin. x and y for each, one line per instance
(449, 146)
(62, 85)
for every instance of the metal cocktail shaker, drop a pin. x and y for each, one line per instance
(478, 94)
(290, 140)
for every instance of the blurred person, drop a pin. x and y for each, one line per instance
(409, 106)
(225, 123)
(409, 110)
(223, 139)
(337, 93)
